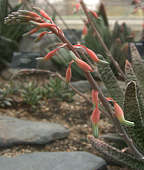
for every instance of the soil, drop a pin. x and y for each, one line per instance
(74, 115)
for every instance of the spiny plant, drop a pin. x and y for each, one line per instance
(9, 35)
(130, 131)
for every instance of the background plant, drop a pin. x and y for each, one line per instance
(116, 40)
(9, 35)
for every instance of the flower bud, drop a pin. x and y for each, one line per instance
(43, 13)
(95, 97)
(30, 13)
(76, 7)
(83, 65)
(94, 14)
(119, 113)
(40, 36)
(68, 72)
(50, 54)
(95, 117)
(85, 30)
(34, 30)
(91, 53)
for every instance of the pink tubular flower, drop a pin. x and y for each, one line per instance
(43, 25)
(43, 13)
(119, 113)
(84, 31)
(69, 73)
(34, 30)
(95, 117)
(94, 14)
(95, 97)
(91, 53)
(47, 25)
(50, 54)
(29, 13)
(128, 64)
(41, 35)
(83, 65)
(76, 7)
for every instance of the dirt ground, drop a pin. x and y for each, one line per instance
(74, 115)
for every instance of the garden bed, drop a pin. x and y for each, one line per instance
(73, 115)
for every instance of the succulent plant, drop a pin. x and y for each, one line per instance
(131, 155)
(9, 34)
(115, 40)
(132, 102)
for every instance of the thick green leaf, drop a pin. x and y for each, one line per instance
(111, 83)
(115, 155)
(133, 113)
(138, 66)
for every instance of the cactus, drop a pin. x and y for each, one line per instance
(133, 108)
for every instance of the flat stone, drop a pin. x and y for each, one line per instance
(53, 161)
(21, 60)
(82, 85)
(14, 131)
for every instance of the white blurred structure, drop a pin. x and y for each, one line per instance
(92, 4)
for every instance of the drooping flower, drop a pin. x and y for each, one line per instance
(76, 7)
(50, 54)
(43, 25)
(69, 73)
(128, 64)
(119, 113)
(53, 52)
(34, 30)
(95, 97)
(94, 14)
(95, 117)
(41, 35)
(43, 13)
(85, 30)
(29, 13)
(83, 65)
(91, 53)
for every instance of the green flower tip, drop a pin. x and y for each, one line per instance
(128, 123)
(103, 62)
(95, 130)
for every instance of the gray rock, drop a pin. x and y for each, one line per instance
(54, 161)
(27, 43)
(82, 85)
(14, 131)
(24, 60)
